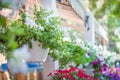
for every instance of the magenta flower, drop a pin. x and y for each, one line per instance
(99, 60)
(105, 65)
(88, 53)
(100, 69)
(95, 62)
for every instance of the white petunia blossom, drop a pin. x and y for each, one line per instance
(17, 63)
(101, 58)
(87, 56)
(30, 22)
(33, 24)
(103, 62)
(86, 64)
(41, 28)
(80, 66)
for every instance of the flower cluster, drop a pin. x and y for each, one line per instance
(102, 63)
(70, 74)
(113, 73)
(99, 68)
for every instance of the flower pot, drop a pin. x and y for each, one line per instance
(38, 54)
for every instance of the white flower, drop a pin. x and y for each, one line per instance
(41, 28)
(67, 39)
(86, 64)
(78, 40)
(30, 22)
(17, 63)
(87, 56)
(101, 58)
(73, 64)
(112, 59)
(97, 55)
(80, 66)
(103, 62)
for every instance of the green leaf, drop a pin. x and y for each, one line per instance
(2, 21)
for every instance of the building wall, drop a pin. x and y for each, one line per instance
(70, 18)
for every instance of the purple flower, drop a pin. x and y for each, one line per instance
(95, 62)
(105, 65)
(99, 60)
(112, 78)
(105, 68)
(101, 70)
(116, 77)
(94, 72)
(110, 74)
(88, 53)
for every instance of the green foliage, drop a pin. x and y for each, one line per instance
(73, 53)
(8, 36)
(109, 7)
(51, 35)
(92, 4)
(112, 23)
(2, 48)
(47, 33)
(17, 33)
(2, 21)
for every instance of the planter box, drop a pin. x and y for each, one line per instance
(38, 54)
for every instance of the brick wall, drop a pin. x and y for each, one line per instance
(31, 3)
(68, 15)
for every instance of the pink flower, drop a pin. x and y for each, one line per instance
(50, 74)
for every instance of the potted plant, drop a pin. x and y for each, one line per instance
(18, 33)
(70, 74)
